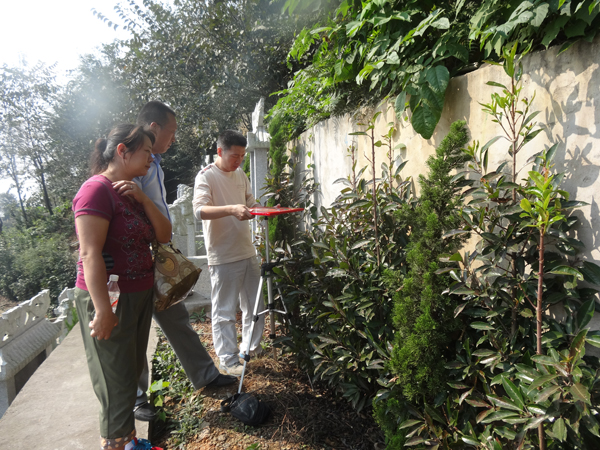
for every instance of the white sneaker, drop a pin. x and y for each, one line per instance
(253, 353)
(235, 369)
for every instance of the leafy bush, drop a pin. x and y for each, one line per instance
(340, 314)
(423, 317)
(520, 362)
(39, 257)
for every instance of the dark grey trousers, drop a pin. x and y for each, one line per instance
(197, 363)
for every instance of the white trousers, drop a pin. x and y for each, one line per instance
(235, 284)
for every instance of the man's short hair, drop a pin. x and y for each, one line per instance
(154, 111)
(228, 138)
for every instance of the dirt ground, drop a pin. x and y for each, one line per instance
(304, 415)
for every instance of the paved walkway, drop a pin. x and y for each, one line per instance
(57, 408)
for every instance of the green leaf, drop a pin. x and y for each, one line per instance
(361, 243)
(545, 393)
(567, 270)
(503, 403)
(424, 120)
(493, 83)
(553, 28)
(438, 78)
(441, 24)
(585, 313)
(473, 401)
(559, 429)
(409, 423)
(535, 422)
(591, 424)
(470, 441)
(500, 415)
(416, 440)
(489, 143)
(400, 104)
(580, 393)
(540, 381)
(336, 273)
(513, 392)
(593, 338)
(539, 14)
(481, 326)
(525, 205)
(591, 272)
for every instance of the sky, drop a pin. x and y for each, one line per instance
(53, 32)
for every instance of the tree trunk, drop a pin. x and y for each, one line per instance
(45, 193)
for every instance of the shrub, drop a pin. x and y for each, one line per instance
(516, 368)
(340, 313)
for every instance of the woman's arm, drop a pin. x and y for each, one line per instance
(160, 223)
(92, 231)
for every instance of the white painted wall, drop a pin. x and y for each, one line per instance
(567, 92)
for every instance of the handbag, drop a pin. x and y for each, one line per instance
(246, 408)
(174, 275)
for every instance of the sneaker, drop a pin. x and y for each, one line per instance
(142, 444)
(144, 412)
(235, 369)
(253, 353)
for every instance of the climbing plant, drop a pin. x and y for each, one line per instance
(406, 51)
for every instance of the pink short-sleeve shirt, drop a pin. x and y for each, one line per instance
(126, 251)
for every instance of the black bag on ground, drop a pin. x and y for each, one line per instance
(246, 408)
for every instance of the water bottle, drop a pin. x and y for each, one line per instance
(113, 292)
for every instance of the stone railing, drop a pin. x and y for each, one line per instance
(27, 337)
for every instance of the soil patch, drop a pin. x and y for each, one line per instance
(305, 415)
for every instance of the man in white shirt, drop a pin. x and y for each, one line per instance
(222, 199)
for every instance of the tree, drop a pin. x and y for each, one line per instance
(26, 99)
(9, 210)
(91, 103)
(211, 61)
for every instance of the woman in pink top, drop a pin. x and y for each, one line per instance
(115, 223)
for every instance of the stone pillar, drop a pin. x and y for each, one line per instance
(182, 217)
(259, 142)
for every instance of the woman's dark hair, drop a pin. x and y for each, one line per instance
(132, 136)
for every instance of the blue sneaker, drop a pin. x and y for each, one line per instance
(143, 444)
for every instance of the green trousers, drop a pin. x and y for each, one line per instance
(115, 364)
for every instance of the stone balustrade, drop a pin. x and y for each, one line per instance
(27, 337)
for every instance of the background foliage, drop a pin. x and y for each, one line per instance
(407, 50)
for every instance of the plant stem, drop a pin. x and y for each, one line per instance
(515, 138)
(374, 196)
(539, 319)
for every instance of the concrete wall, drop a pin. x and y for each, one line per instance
(567, 94)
